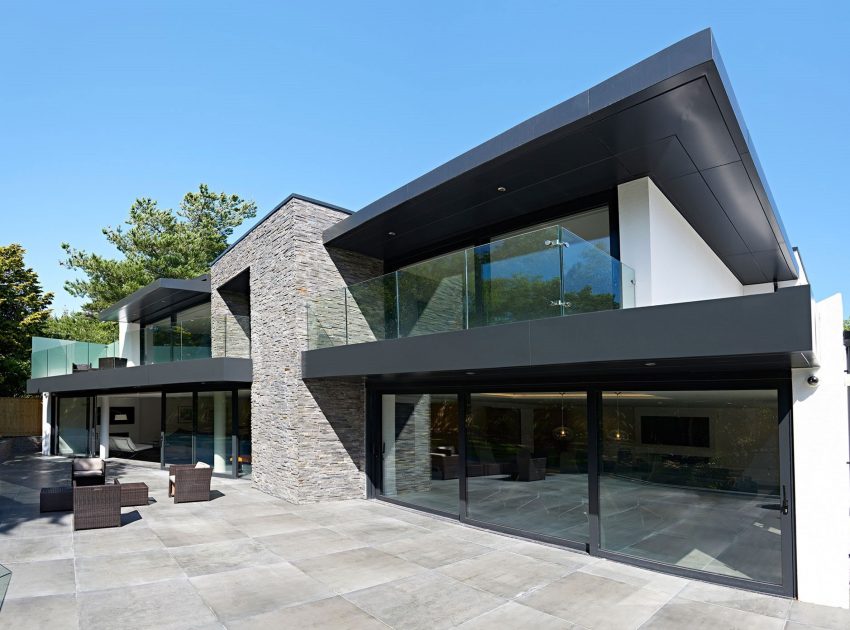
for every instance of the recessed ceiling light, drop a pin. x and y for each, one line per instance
(470, 373)
(501, 189)
(390, 233)
(650, 364)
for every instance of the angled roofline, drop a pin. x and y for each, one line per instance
(275, 209)
(696, 55)
(199, 286)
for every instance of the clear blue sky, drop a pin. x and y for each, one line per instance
(103, 102)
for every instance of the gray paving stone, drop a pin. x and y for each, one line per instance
(33, 579)
(357, 569)
(273, 524)
(128, 569)
(433, 550)
(112, 540)
(514, 615)
(53, 612)
(252, 591)
(682, 613)
(224, 556)
(330, 614)
(822, 616)
(167, 605)
(736, 598)
(505, 574)
(425, 601)
(308, 543)
(596, 602)
(35, 549)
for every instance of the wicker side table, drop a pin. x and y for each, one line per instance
(58, 499)
(135, 493)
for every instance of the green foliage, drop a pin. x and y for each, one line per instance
(157, 243)
(78, 326)
(847, 324)
(24, 308)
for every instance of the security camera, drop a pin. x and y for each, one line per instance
(812, 381)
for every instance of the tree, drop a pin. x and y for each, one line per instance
(24, 308)
(157, 243)
(78, 326)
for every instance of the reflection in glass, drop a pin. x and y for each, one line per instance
(244, 407)
(527, 462)
(213, 443)
(73, 429)
(692, 479)
(431, 296)
(178, 428)
(420, 449)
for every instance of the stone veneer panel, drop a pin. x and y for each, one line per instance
(307, 440)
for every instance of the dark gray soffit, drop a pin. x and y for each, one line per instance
(672, 117)
(772, 324)
(217, 370)
(159, 299)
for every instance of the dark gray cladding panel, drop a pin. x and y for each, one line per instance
(217, 370)
(671, 117)
(159, 299)
(776, 324)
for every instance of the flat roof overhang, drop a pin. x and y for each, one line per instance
(672, 117)
(197, 371)
(770, 330)
(158, 299)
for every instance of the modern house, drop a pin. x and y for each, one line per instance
(591, 330)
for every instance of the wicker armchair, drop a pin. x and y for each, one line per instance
(88, 471)
(189, 483)
(97, 506)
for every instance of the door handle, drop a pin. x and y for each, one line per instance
(784, 501)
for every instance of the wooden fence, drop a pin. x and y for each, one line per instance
(20, 417)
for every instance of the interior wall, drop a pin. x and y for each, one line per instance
(671, 261)
(146, 417)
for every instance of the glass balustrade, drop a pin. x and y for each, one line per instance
(198, 338)
(549, 272)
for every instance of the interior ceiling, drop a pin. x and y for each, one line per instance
(682, 131)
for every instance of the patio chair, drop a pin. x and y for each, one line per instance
(189, 483)
(88, 471)
(97, 506)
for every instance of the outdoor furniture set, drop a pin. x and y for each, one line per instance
(97, 504)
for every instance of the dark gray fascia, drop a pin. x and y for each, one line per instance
(672, 117)
(275, 209)
(773, 324)
(216, 370)
(159, 299)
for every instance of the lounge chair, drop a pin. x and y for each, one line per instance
(125, 444)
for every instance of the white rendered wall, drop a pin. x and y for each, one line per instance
(46, 413)
(129, 343)
(821, 475)
(671, 261)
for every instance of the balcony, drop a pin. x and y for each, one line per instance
(544, 273)
(200, 338)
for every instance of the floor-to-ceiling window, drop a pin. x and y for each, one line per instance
(243, 430)
(526, 462)
(179, 425)
(73, 416)
(213, 442)
(420, 450)
(692, 479)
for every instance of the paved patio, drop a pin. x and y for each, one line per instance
(248, 560)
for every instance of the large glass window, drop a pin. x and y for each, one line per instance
(213, 443)
(244, 428)
(179, 424)
(73, 430)
(526, 462)
(420, 449)
(692, 479)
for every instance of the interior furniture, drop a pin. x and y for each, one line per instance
(189, 483)
(127, 445)
(444, 466)
(133, 493)
(530, 468)
(88, 471)
(80, 367)
(57, 499)
(96, 507)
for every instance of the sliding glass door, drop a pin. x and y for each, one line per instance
(695, 482)
(526, 462)
(74, 429)
(692, 479)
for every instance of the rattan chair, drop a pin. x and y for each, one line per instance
(187, 483)
(88, 471)
(97, 506)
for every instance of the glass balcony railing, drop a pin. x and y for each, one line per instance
(201, 338)
(549, 272)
